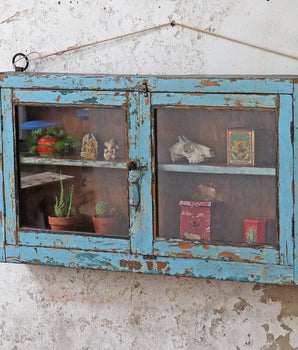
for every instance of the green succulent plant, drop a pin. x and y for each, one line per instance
(64, 204)
(102, 209)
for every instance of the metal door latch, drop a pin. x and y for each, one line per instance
(149, 257)
(145, 89)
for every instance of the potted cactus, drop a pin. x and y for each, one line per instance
(63, 220)
(106, 221)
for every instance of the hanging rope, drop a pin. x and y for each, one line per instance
(238, 41)
(77, 47)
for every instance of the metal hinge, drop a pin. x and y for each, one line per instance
(149, 257)
(145, 88)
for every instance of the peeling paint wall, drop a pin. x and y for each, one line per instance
(57, 308)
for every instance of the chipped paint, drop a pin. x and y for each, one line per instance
(205, 83)
(230, 256)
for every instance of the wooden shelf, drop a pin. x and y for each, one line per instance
(48, 177)
(73, 162)
(217, 169)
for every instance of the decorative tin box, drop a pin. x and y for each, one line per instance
(254, 231)
(241, 147)
(199, 219)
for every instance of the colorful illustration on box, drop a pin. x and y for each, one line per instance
(250, 235)
(240, 147)
(255, 231)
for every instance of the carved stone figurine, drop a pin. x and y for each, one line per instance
(111, 151)
(89, 148)
(192, 151)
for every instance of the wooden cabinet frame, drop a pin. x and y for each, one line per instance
(143, 252)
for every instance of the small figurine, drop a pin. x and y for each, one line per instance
(89, 149)
(207, 192)
(192, 151)
(111, 151)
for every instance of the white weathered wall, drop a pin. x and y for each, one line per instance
(57, 308)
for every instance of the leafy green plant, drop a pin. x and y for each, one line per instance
(64, 204)
(56, 131)
(32, 138)
(66, 145)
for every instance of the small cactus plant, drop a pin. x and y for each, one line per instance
(102, 209)
(107, 219)
(64, 204)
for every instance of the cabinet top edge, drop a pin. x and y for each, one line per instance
(141, 76)
(156, 83)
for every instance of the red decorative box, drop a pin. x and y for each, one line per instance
(254, 231)
(199, 219)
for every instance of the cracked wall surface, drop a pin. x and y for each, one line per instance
(59, 308)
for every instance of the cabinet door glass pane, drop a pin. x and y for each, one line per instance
(216, 175)
(81, 152)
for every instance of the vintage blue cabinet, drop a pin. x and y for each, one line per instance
(197, 174)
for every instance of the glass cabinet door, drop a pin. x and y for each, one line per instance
(81, 152)
(69, 171)
(218, 176)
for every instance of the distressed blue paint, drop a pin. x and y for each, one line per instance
(285, 179)
(218, 100)
(213, 261)
(2, 231)
(142, 242)
(141, 217)
(178, 248)
(223, 270)
(225, 84)
(9, 166)
(88, 242)
(74, 82)
(163, 84)
(74, 162)
(214, 169)
(133, 144)
(295, 105)
(70, 97)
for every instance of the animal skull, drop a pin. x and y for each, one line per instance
(192, 151)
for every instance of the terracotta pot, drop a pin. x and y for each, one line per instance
(46, 146)
(106, 226)
(61, 224)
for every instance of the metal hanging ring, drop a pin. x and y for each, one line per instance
(20, 69)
